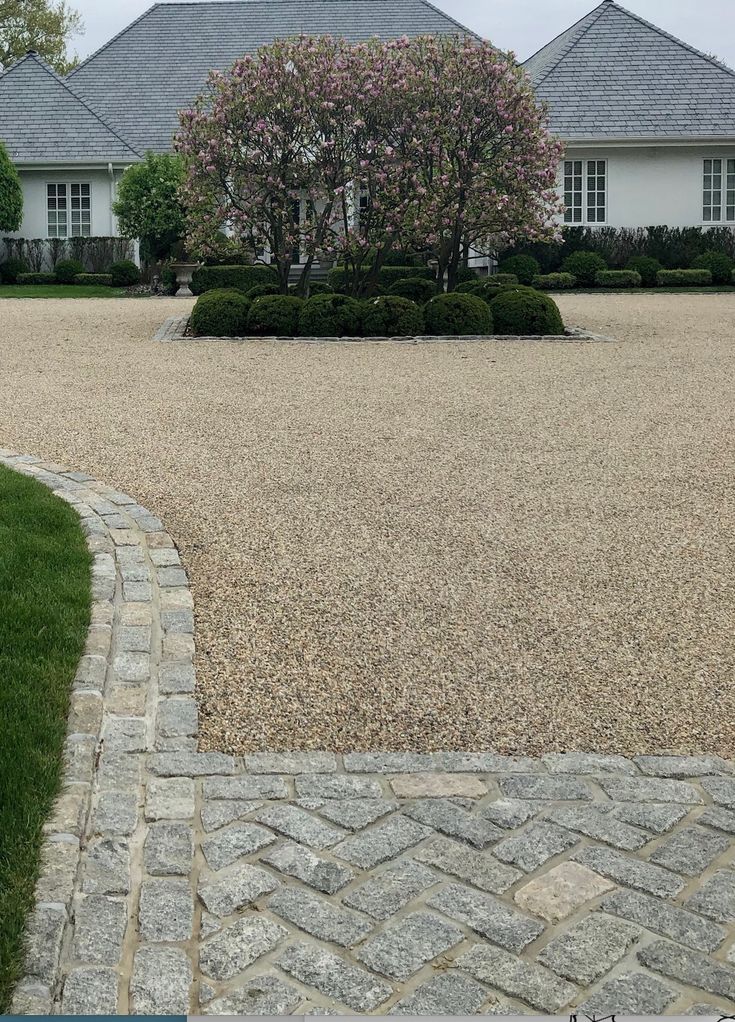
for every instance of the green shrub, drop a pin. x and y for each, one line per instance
(464, 274)
(316, 287)
(36, 278)
(618, 278)
(392, 316)
(526, 313)
(238, 278)
(338, 278)
(330, 315)
(221, 313)
(67, 270)
(457, 314)
(10, 269)
(584, 266)
(554, 281)
(261, 290)
(416, 289)
(169, 283)
(489, 287)
(507, 278)
(95, 279)
(647, 267)
(125, 273)
(719, 264)
(525, 267)
(275, 316)
(684, 278)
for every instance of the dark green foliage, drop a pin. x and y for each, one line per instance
(95, 279)
(339, 278)
(169, 283)
(125, 273)
(239, 278)
(10, 269)
(522, 313)
(260, 290)
(416, 289)
(320, 287)
(554, 281)
(507, 278)
(275, 315)
(392, 316)
(67, 270)
(488, 288)
(221, 313)
(684, 278)
(647, 267)
(456, 314)
(618, 278)
(585, 266)
(330, 315)
(464, 274)
(525, 267)
(11, 194)
(719, 264)
(37, 278)
(148, 205)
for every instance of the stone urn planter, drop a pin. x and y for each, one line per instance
(184, 273)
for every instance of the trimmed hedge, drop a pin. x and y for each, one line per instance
(338, 278)
(415, 289)
(554, 281)
(220, 313)
(719, 264)
(488, 288)
(229, 278)
(261, 290)
(584, 266)
(392, 316)
(524, 267)
(506, 278)
(36, 278)
(618, 278)
(455, 314)
(95, 279)
(275, 315)
(330, 315)
(647, 267)
(528, 312)
(684, 278)
(10, 269)
(125, 273)
(66, 271)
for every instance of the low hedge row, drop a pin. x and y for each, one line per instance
(238, 278)
(684, 278)
(70, 271)
(95, 279)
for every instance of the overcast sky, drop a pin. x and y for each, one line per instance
(521, 25)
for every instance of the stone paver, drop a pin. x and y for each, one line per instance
(397, 883)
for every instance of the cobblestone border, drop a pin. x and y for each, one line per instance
(174, 329)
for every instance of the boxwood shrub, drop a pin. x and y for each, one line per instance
(416, 289)
(455, 314)
(330, 315)
(525, 267)
(526, 312)
(618, 278)
(260, 290)
(36, 278)
(275, 315)
(239, 278)
(220, 313)
(125, 273)
(387, 276)
(719, 264)
(10, 269)
(506, 278)
(95, 279)
(554, 281)
(392, 316)
(684, 278)
(584, 266)
(647, 267)
(67, 270)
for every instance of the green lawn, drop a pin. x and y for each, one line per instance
(62, 291)
(44, 616)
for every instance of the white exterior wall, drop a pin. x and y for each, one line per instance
(102, 189)
(653, 185)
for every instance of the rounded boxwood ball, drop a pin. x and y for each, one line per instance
(525, 267)
(220, 313)
(526, 312)
(275, 316)
(262, 289)
(416, 289)
(330, 315)
(584, 266)
(392, 316)
(125, 273)
(67, 270)
(719, 264)
(454, 314)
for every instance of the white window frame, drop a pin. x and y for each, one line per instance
(718, 190)
(589, 205)
(68, 197)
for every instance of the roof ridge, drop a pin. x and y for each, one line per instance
(114, 39)
(599, 11)
(438, 10)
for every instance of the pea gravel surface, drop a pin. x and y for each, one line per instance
(505, 546)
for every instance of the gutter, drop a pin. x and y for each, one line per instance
(656, 141)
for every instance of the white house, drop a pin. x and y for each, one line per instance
(648, 122)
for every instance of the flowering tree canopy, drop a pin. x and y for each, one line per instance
(314, 147)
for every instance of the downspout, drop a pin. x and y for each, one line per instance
(111, 174)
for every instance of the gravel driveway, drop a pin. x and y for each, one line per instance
(486, 546)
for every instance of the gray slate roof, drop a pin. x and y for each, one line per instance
(614, 75)
(160, 63)
(42, 119)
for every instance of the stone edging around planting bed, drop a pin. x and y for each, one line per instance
(174, 329)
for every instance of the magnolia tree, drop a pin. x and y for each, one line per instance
(314, 148)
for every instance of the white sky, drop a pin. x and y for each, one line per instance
(520, 25)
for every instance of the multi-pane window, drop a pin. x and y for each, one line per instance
(69, 210)
(718, 194)
(585, 191)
